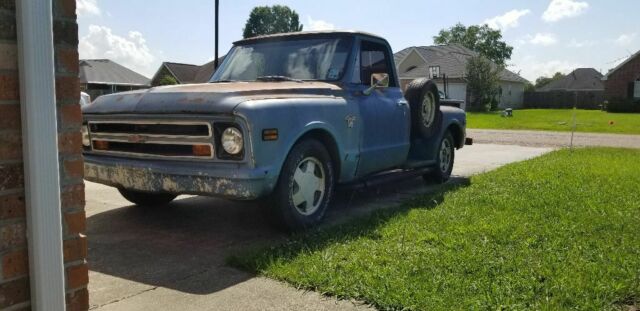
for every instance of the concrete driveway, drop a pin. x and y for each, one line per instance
(553, 139)
(173, 258)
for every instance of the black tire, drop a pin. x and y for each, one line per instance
(147, 199)
(426, 119)
(440, 173)
(289, 216)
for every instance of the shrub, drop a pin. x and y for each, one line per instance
(623, 105)
(167, 80)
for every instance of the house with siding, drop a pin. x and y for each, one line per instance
(582, 88)
(623, 81)
(104, 76)
(451, 60)
(579, 80)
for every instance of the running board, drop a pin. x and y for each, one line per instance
(385, 178)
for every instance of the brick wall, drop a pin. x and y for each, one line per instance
(14, 274)
(617, 84)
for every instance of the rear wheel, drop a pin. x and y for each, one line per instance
(147, 199)
(304, 188)
(444, 161)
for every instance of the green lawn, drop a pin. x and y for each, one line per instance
(558, 232)
(558, 120)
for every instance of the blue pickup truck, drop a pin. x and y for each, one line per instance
(286, 118)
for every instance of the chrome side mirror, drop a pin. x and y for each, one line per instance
(378, 80)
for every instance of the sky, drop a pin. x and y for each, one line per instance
(547, 35)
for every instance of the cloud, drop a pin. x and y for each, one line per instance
(87, 7)
(318, 24)
(532, 68)
(130, 51)
(561, 9)
(507, 20)
(626, 39)
(581, 44)
(543, 39)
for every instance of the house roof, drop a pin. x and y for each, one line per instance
(637, 54)
(105, 71)
(451, 58)
(580, 79)
(184, 73)
(188, 73)
(205, 72)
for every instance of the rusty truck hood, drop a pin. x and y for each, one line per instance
(216, 98)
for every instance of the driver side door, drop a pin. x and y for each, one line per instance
(385, 113)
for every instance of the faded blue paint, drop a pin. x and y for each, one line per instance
(371, 133)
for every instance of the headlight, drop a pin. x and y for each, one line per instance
(85, 136)
(232, 141)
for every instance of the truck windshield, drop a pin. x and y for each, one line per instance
(322, 59)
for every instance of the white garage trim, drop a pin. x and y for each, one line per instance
(40, 149)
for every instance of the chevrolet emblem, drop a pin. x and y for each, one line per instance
(135, 139)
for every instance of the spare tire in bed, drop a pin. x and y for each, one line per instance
(424, 100)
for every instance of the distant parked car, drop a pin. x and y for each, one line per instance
(85, 99)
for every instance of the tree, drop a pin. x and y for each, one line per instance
(529, 87)
(167, 80)
(482, 39)
(542, 81)
(265, 20)
(483, 83)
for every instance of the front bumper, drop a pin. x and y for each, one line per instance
(232, 181)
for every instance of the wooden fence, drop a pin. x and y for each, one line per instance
(564, 99)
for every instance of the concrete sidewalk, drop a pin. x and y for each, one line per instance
(553, 139)
(174, 258)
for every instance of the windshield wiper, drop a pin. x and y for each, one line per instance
(222, 81)
(277, 78)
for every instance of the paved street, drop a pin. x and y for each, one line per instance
(555, 139)
(174, 258)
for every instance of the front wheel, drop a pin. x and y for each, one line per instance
(304, 188)
(147, 199)
(444, 161)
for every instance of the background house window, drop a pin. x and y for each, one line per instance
(636, 90)
(434, 71)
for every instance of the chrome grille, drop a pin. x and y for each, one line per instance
(165, 139)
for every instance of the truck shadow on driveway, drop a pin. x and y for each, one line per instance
(184, 246)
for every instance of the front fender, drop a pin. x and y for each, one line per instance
(295, 118)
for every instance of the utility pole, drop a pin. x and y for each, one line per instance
(215, 62)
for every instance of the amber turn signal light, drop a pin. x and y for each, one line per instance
(270, 134)
(100, 145)
(201, 150)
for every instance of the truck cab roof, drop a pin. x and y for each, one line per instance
(308, 34)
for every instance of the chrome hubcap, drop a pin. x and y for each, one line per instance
(428, 109)
(308, 186)
(445, 155)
